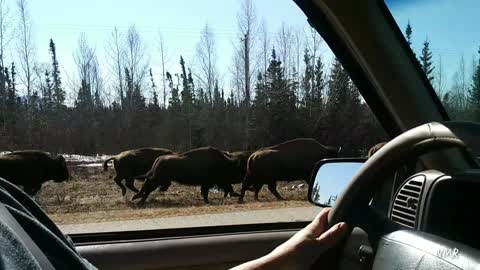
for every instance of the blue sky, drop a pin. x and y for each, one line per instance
(180, 23)
(451, 27)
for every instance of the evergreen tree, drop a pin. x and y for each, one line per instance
(426, 61)
(58, 95)
(186, 89)
(191, 84)
(84, 100)
(317, 93)
(97, 101)
(281, 105)
(154, 102)
(47, 98)
(3, 97)
(474, 97)
(338, 88)
(187, 101)
(174, 101)
(408, 34)
(307, 79)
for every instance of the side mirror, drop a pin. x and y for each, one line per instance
(330, 177)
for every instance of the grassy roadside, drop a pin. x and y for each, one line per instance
(91, 196)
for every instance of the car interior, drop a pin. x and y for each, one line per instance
(410, 205)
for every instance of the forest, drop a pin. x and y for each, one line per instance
(279, 87)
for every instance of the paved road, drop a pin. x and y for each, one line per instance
(232, 218)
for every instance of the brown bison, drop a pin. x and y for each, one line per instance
(132, 163)
(31, 168)
(375, 148)
(241, 158)
(288, 161)
(205, 167)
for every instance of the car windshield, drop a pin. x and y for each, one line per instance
(98, 88)
(445, 38)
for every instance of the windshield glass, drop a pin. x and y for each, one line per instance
(148, 113)
(445, 38)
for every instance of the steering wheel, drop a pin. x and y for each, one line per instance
(352, 206)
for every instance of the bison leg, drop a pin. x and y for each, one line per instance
(148, 187)
(204, 189)
(228, 189)
(245, 186)
(257, 187)
(119, 183)
(129, 182)
(273, 188)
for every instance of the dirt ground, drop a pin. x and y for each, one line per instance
(92, 196)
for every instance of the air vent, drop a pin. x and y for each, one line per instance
(405, 206)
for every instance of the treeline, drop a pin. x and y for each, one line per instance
(330, 110)
(286, 96)
(461, 98)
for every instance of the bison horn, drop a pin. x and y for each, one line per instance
(339, 150)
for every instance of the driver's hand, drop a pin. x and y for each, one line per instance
(304, 248)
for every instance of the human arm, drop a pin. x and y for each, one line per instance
(302, 249)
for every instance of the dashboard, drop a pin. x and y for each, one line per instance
(440, 204)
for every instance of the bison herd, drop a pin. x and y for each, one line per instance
(205, 167)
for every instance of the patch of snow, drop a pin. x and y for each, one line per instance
(90, 165)
(85, 159)
(216, 190)
(98, 158)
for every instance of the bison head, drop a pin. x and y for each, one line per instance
(60, 171)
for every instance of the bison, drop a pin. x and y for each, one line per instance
(238, 174)
(131, 164)
(205, 167)
(288, 161)
(31, 168)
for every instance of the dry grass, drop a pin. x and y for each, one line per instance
(92, 196)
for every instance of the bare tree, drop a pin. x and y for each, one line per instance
(246, 21)
(161, 45)
(136, 59)
(5, 33)
(84, 58)
(25, 46)
(97, 82)
(439, 78)
(460, 85)
(236, 69)
(206, 57)
(314, 40)
(285, 40)
(265, 48)
(116, 54)
(297, 59)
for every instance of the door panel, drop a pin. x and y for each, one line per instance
(202, 252)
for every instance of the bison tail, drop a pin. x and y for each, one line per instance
(105, 163)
